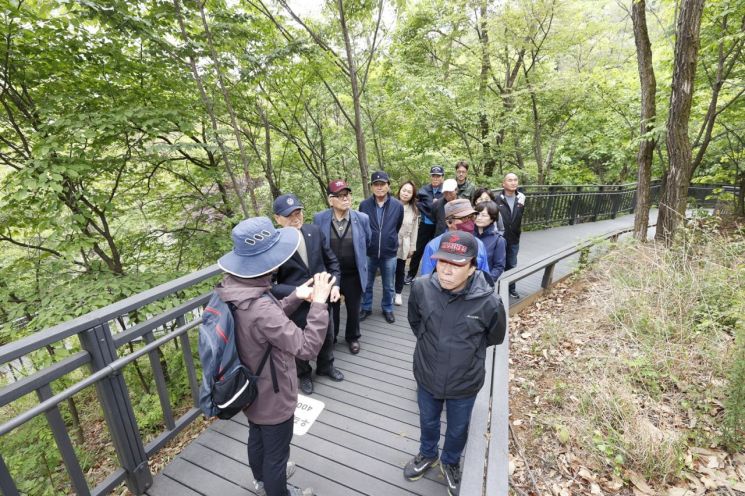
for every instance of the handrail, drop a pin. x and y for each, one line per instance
(487, 450)
(99, 350)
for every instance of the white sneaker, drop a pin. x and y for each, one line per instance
(398, 301)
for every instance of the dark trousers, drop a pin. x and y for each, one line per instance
(424, 235)
(456, 433)
(400, 275)
(351, 287)
(511, 259)
(325, 358)
(268, 452)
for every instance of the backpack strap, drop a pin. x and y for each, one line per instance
(267, 353)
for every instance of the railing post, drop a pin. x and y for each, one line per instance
(7, 485)
(598, 203)
(117, 408)
(62, 438)
(548, 275)
(575, 205)
(549, 212)
(614, 202)
(189, 362)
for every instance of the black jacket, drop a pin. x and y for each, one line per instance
(512, 220)
(424, 199)
(438, 215)
(453, 331)
(294, 272)
(384, 240)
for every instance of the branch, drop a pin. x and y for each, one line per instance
(37, 247)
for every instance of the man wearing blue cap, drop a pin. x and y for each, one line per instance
(386, 216)
(426, 195)
(312, 256)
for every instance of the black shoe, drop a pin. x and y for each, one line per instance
(408, 279)
(452, 478)
(334, 374)
(364, 314)
(514, 293)
(354, 347)
(418, 466)
(305, 384)
(389, 317)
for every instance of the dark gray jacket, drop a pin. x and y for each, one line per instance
(453, 331)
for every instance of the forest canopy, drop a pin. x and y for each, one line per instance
(135, 134)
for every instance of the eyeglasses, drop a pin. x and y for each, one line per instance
(342, 196)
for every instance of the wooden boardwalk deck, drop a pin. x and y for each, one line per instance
(369, 428)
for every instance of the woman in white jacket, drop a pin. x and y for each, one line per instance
(406, 235)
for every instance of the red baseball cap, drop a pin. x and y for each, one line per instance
(338, 185)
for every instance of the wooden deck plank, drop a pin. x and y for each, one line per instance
(326, 458)
(163, 485)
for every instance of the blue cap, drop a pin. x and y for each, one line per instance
(379, 176)
(286, 204)
(437, 170)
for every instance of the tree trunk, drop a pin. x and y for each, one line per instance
(648, 114)
(269, 167)
(673, 201)
(488, 159)
(358, 134)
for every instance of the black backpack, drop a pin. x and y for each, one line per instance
(228, 386)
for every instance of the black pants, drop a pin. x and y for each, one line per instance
(351, 287)
(325, 358)
(268, 452)
(400, 275)
(424, 235)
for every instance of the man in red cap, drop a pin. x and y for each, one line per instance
(347, 233)
(454, 314)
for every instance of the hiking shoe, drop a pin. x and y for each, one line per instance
(514, 293)
(408, 279)
(296, 491)
(306, 384)
(417, 466)
(452, 478)
(259, 485)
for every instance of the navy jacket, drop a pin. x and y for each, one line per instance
(424, 199)
(496, 250)
(360, 237)
(384, 241)
(294, 272)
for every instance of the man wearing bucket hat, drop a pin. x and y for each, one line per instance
(311, 257)
(459, 216)
(454, 314)
(262, 320)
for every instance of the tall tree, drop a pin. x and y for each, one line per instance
(647, 118)
(674, 198)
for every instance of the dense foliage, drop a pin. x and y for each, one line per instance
(115, 178)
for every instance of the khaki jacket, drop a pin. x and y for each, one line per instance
(408, 232)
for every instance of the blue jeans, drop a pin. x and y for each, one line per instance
(456, 434)
(387, 268)
(511, 260)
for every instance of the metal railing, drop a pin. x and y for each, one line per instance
(486, 466)
(560, 205)
(99, 351)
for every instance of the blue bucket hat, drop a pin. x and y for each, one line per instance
(284, 205)
(259, 248)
